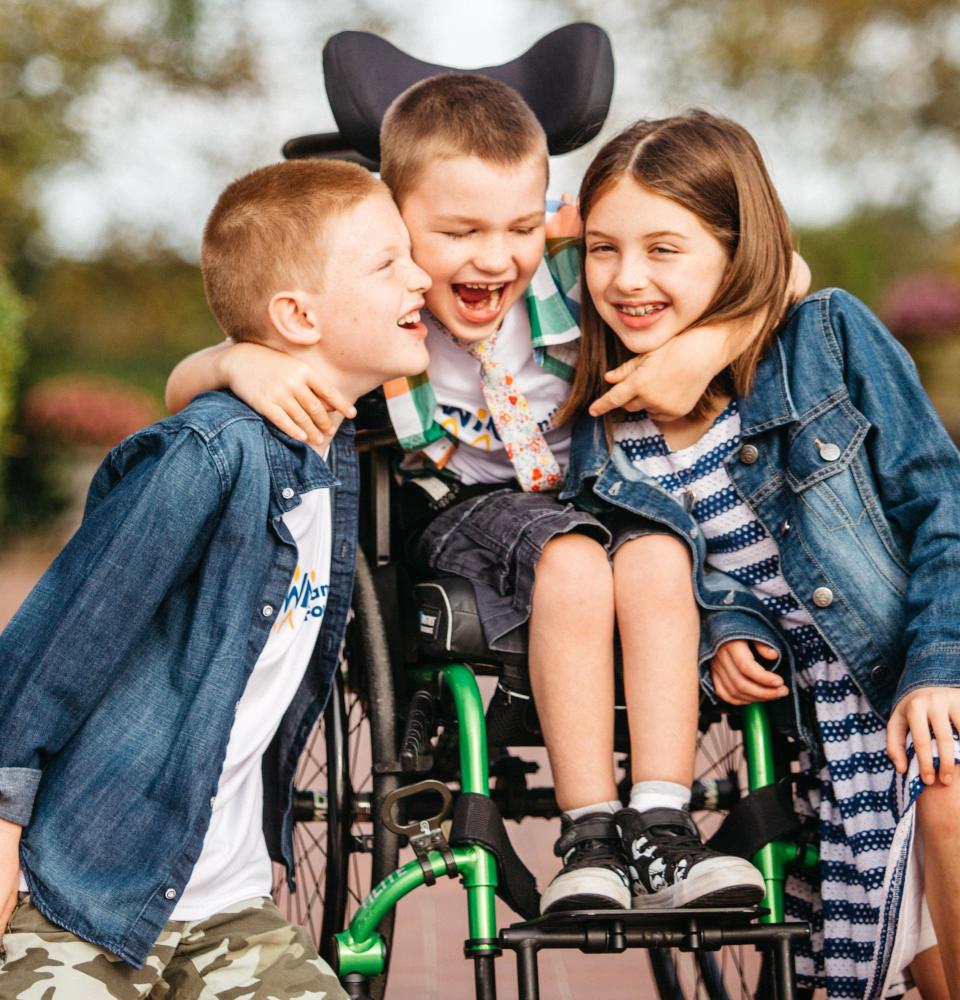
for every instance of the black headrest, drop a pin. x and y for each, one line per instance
(566, 78)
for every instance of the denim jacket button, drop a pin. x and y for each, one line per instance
(287, 493)
(878, 673)
(749, 453)
(170, 894)
(823, 597)
(267, 610)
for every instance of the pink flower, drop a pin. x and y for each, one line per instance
(87, 409)
(923, 305)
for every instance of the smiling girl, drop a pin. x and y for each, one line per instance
(815, 478)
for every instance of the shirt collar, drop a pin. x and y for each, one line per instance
(295, 468)
(769, 402)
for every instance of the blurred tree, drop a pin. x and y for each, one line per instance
(878, 80)
(12, 315)
(121, 315)
(53, 52)
(872, 248)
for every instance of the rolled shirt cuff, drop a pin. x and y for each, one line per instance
(18, 789)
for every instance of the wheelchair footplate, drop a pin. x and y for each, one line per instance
(614, 931)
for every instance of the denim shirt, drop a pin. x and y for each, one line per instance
(122, 670)
(846, 464)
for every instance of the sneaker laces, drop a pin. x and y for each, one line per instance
(675, 831)
(681, 839)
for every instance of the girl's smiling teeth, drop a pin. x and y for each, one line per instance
(643, 310)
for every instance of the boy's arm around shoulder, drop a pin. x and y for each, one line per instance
(289, 393)
(150, 512)
(915, 467)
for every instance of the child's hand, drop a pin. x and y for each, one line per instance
(739, 679)
(921, 711)
(565, 222)
(668, 382)
(289, 393)
(9, 869)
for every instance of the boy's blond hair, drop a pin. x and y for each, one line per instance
(455, 114)
(265, 235)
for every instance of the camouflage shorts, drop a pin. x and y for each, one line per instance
(247, 951)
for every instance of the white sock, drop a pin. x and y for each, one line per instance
(598, 807)
(658, 795)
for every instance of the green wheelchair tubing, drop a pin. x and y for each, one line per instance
(361, 949)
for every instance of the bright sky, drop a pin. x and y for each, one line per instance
(158, 159)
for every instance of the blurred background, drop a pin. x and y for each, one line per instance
(121, 120)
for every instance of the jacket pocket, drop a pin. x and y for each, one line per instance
(818, 468)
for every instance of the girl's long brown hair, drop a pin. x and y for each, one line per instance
(712, 167)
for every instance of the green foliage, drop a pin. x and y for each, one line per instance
(874, 247)
(119, 315)
(12, 314)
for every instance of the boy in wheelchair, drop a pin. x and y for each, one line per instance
(178, 650)
(466, 161)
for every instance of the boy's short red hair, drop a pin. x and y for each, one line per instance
(456, 114)
(265, 235)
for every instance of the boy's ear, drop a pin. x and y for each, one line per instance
(296, 317)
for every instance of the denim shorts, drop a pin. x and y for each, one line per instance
(495, 540)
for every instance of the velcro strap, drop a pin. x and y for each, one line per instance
(599, 827)
(651, 818)
(476, 820)
(758, 818)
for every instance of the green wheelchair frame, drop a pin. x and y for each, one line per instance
(361, 951)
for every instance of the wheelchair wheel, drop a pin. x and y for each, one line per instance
(341, 851)
(732, 973)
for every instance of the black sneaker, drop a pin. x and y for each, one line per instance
(670, 867)
(594, 875)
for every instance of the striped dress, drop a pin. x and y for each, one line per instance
(853, 795)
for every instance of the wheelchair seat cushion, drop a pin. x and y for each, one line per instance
(566, 78)
(448, 624)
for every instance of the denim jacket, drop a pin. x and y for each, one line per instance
(120, 674)
(846, 464)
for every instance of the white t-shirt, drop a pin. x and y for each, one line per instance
(233, 863)
(462, 411)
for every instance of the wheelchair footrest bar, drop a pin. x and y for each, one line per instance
(616, 930)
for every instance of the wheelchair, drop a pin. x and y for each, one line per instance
(405, 720)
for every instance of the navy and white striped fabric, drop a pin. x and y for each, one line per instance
(853, 795)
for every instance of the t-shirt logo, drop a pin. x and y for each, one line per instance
(304, 600)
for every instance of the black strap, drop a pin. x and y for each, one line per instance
(476, 820)
(597, 827)
(758, 818)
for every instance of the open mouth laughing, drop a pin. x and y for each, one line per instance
(411, 323)
(479, 301)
